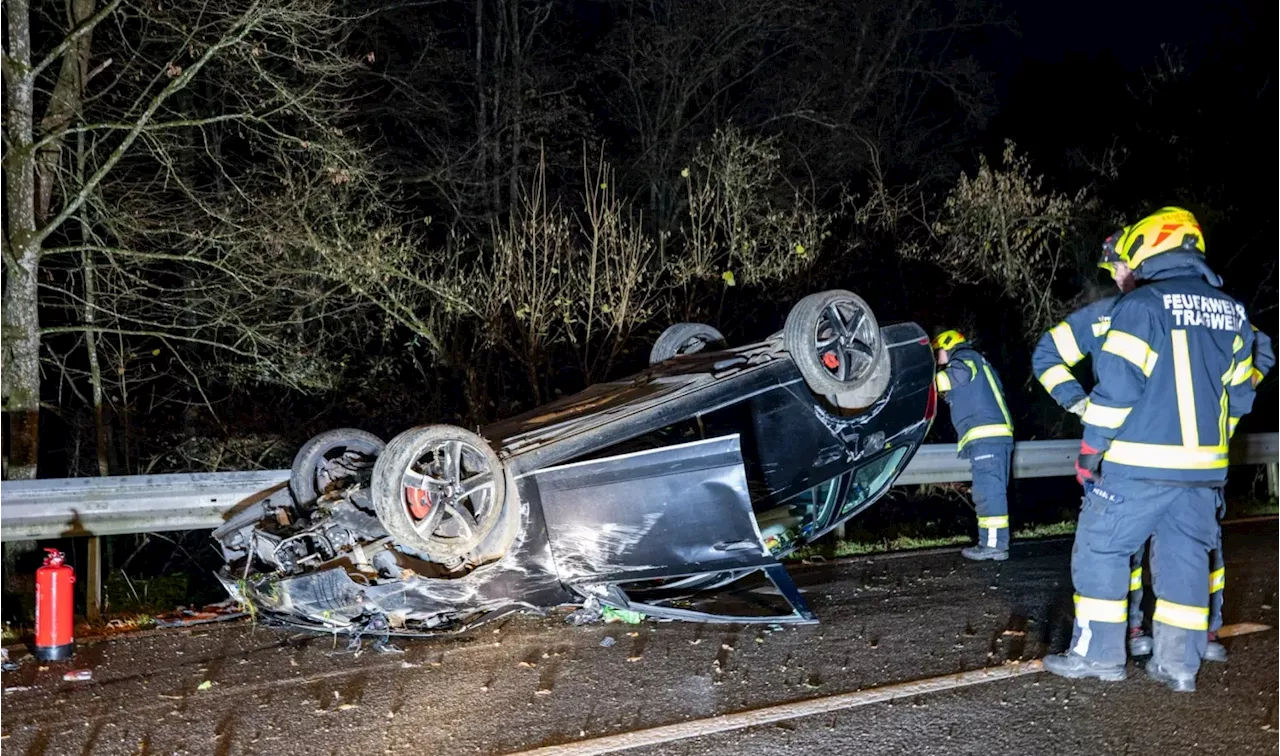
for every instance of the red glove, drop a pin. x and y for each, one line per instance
(1088, 462)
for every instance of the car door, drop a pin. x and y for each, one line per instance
(669, 515)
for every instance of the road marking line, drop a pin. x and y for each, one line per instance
(780, 712)
(769, 714)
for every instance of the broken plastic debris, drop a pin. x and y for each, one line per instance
(78, 675)
(589, 612)
(622, 615)
(607, 641)
(205, 685)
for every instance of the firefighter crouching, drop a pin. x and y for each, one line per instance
(1174, 378)
(981, 420)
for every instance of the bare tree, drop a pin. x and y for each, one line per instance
(1002, 226)
(201, 133)
(745, 223)
(674, 70)
(514, 77)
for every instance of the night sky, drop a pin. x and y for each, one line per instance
(1130, 31)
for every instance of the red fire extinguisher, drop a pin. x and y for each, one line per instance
(55, 608)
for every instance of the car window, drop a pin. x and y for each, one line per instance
(788, 524)
(869, 480)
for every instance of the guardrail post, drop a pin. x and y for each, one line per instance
(93, 586)
(1273, 472)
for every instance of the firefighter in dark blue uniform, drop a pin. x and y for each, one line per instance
(1081, 334)
(1174, 378)
(981, 419)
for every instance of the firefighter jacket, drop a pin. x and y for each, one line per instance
(1264, 356)
(1080, 335)
(1173, 376)
(975, 395)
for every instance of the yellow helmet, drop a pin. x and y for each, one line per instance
(948, 340)
(1166, 230)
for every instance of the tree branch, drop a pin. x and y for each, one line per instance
(179, 83)
(75, 35)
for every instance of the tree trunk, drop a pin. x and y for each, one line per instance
(517, 102)
(90, 318)
(64, 105)
(20, 384)
(21, 325)
(482, 122)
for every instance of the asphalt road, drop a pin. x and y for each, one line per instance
(537, 681)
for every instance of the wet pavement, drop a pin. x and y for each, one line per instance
(239, 689)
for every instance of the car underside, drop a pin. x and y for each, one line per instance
(651, 493)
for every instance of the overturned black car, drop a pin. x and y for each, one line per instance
(638, 494)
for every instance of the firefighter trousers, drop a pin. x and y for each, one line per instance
(1217, 583)
(989, 462)
(1117, 518)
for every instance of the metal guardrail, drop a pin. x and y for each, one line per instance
(938, 463)
(65, 507)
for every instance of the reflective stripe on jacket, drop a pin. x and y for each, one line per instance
(1078, 336)
(972, 389)
(1173, 380)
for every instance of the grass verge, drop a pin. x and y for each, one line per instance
(837, 548)
(847, 548)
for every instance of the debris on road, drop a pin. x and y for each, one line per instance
(589, 613)
(19, 688)
(78, 675)
(205, 685)
(1242, 628)
(607, 641)
(186, 616)
(622, 615)
(5, 664)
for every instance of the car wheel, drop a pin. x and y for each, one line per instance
(684, 338)
(329, 459)
(835, 341)
(439, 489)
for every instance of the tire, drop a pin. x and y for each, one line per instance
(308, 478)
(863, 370)
(684, 338)
(425, 527)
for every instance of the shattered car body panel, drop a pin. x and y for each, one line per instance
(689, 476)
(651, 514)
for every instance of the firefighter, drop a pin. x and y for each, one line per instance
(1079, 335)
(981, 419)
(1139, 643)
(1174, 378)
